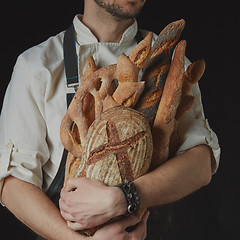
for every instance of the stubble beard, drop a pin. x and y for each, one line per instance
(117, 11)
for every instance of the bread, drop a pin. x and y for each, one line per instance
(156, 70)
(175, 102)
(109, 141)
(97, 88)
(99, 93)
(90, 69)
(191, 76)
(164, 121)
(119, 147)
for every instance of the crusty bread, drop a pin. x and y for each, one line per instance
(156, 70)
(164, 121)
(119, 147)
(141, 53)
(90, 69)
(97, 88)
(191, 76)
(128, 93)
(127, 71)
(110, 142)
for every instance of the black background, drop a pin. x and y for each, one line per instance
(212, 33)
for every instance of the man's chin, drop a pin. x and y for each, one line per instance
(128, 10)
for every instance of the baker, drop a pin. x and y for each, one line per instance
(31, 149)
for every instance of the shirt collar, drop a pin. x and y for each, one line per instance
(85, 36)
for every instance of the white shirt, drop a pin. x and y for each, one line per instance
(35, 103)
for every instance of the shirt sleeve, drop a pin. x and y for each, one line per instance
(194, 129)
(23, 144)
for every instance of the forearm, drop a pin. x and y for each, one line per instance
(176, 178)
(31, 206)
(169, 182)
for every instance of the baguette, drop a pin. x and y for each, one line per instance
(164, 121)
(191, 76)
(156, 71)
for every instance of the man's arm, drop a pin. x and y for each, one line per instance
(170, 182)
(176, 178)
(30, 205)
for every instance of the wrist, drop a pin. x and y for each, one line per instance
(131, 196)
(119, 204)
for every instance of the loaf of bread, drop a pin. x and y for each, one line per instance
(164, 121)
(118, 147)
(193, 74)
(156, 70)
(175, 102)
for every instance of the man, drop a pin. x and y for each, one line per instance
(31, 148)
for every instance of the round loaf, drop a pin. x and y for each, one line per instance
(118, 147)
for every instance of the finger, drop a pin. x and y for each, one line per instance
(140, 231)
(75, 226)
(63, 205)
(130, 220)
(67, 216)
(72, 184)
(67, 199)
(144, 218)
(64, 194)
(78, 224)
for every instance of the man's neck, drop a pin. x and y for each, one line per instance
(105, 27)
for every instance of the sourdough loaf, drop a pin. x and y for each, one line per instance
(119, 147)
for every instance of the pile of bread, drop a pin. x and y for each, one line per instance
(118, 127)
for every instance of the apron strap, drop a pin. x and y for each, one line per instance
(70, 57)
(72, 79)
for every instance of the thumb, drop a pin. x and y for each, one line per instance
(144, 218)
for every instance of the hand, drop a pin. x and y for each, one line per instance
(87, 203)
(116, 230)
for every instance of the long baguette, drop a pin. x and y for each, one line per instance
(156, 71)
(164, 121)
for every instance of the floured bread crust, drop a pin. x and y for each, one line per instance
(119, 147)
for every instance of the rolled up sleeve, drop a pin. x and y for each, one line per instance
(194, 129)
(21, 163)
(23, 146)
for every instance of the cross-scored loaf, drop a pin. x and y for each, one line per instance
(119, 147)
